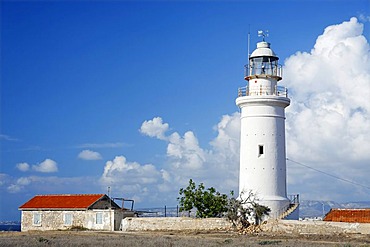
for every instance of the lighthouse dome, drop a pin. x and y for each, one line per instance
(263, 50)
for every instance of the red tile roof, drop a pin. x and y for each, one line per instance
(62, 201)
(349, 215)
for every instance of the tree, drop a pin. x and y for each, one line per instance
(239, 210)
(207, 202)
(237, 213)
(259, 212)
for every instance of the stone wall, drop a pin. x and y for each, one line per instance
(286, 226)
(316, 227)
(174, 224)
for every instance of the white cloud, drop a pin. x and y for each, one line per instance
(132, 178)
(364, 18)
(23, 166)
(328, 122)
(216, 167)
(46, 166)
(55, 185)
(8, 138)
(23, 181)
(154, 128)
(3, 179)
(14, 188)
(19, 185)
(185, 152)
(331, 96)
(89, 155)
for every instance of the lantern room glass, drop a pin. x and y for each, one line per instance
(263, 66)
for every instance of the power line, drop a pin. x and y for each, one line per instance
(328, 174)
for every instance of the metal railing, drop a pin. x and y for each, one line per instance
(165, 211)
(294, 199)
(280, 214)
(263, 90)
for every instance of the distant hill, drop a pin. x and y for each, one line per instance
(310, 208)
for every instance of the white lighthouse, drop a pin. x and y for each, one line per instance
(262, 142)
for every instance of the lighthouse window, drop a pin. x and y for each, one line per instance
(263, 65)
(260, 150)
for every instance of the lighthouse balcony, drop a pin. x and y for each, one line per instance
(263, 91)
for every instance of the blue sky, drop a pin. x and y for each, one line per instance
(78, 80)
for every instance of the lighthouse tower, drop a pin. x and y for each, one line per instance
(262, 142)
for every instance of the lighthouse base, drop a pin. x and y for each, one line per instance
(277, 204)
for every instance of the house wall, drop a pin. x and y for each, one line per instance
(54, 220)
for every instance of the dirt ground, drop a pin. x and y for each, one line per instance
(92, 238)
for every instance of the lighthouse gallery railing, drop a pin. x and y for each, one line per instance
(263, 90)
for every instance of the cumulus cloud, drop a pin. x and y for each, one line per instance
(23, 167)
(331, 96)
(185, 159)
(328, 122)
(46, 166)
(154, 128)
(185, 152)
(89, 155)
(131, 177)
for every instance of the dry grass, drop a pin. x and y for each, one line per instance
(173, 239)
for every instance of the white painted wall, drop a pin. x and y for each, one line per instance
(263, 127)
(263, 124)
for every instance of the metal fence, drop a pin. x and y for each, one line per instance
(166, 211)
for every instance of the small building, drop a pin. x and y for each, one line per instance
(361, 215)
(58, 212)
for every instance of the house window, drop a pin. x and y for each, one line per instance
(37, 219)
(68, 218)
(99, 218)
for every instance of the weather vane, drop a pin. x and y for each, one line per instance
(263, 34)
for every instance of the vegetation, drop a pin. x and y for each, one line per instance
(207, 202)
(270, 242)
(78, 228)
(239, 210)
(211, 203)
(237, 213)
(42, 240)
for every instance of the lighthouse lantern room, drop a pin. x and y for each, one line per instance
(262, 141)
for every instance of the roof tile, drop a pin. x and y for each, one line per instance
(66, 201)
(349, 215)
